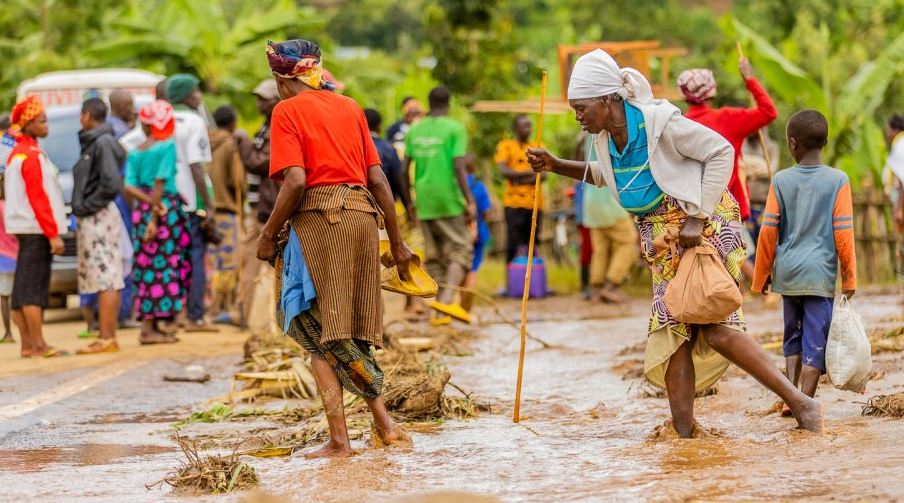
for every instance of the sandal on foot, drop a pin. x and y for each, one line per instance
(88, 334)
(8, 339)
(100, 346)
(52, 353)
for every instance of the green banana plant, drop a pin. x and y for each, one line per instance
(856, 142)
(225, 51)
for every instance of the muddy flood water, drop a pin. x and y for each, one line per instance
(588, 432)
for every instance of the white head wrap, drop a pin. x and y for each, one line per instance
(596, 74)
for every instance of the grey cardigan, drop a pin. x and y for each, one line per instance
(689, 161)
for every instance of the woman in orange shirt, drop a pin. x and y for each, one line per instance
(335, 197)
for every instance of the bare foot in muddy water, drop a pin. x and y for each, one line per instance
(809, 416)
(330, 450)
(396, 437)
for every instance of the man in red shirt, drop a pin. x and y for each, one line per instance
(733, 123)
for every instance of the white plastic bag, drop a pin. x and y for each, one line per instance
(848, 352)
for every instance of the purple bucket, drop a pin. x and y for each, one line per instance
(517, 268)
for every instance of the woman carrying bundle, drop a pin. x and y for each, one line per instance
(671, 174)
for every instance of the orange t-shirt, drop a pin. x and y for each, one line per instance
(326, 134)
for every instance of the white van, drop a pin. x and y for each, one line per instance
(62, 94)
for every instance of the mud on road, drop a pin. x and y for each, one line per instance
(588, 430)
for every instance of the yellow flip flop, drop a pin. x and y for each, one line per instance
(441, 321)
(421, 284)
(453, 310)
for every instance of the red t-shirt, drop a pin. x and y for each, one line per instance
(326, 134)
(735, 124)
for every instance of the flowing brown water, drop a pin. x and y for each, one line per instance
(587, 434)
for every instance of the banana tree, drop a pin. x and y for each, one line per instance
(856, 142)
(225, 49)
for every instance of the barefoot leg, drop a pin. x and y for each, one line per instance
(108, 313)
(33, 318)
(27, 346)
(4, 309)
(809, 380)
(467, 298)
(385, 427)
(792, 369)
(744, 352)
(679, 385)
(330, 390)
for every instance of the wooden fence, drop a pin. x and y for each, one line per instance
(876, 236)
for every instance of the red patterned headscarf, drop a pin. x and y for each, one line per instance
(25, 111)
(158, 115)
(298, 59)
(697, 85)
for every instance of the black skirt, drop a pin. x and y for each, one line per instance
(31, 283)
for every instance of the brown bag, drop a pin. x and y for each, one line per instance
(702, 291)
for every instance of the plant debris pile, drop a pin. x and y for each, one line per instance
(210, 474)
(885, 405)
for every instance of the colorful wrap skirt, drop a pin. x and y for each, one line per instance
(351, 359)
(162, 265)
(724, 231)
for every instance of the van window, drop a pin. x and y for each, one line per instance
(61, 144)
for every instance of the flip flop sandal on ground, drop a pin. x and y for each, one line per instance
(85, 334)
(453, 310)
(7, 340)
(101, 346)
(53, 353)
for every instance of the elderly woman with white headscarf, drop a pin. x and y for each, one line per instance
(671, 174)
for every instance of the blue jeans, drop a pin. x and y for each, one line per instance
(807, 322)
(198, 285)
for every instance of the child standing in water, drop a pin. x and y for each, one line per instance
(808, 229)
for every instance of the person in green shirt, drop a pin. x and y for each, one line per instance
(443, 203)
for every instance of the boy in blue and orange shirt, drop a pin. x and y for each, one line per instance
(808, 231)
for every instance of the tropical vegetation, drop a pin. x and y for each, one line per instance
(844, 57)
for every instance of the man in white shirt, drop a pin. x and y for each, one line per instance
(192, 153)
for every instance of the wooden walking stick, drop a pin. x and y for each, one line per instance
(759, 131)
(530, 256)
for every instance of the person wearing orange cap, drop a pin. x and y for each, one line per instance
(36, 215)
